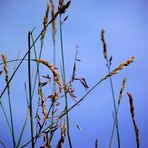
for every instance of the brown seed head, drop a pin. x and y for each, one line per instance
(104, 44)
(121, 90)
(45, 22)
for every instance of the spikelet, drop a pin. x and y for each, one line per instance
(121, 66)
(121, 90)
(54, 20)
(104, 44)
(45, 22)
(53, 70)
(61, 2)
(62, 7)
(63, 135)
(55, 96)
(133, 119)
(42, 103)
(4, 59)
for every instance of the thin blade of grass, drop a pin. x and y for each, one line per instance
(30, 90)
(22, 131)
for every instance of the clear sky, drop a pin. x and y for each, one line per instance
(125, 23)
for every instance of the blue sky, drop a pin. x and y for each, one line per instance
(125, 23)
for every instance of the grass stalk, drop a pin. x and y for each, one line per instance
(2, 143)
(108, 64)
(54, 91)
(11, 118)
(22, 131)
(30, 90)
(5, 115)
(113, 129)
(114, 102)
(15, 60)
(54, 64)
(64, 78)
(9, 100)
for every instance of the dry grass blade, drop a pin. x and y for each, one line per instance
(121, 90)
(119, 68)
(53, 70)
(133, 118)
(45, 22)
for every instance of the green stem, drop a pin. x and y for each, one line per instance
(11, 118)
(113, 128)
(114, 102)
(16, 60)
(54, 91)
(23, 128)
(64, 78)
(37, 75)
(1, 142)
(6, 116)
(30, 95)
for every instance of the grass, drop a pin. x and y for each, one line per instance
(47, 119)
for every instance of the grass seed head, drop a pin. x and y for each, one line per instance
(4, 59)
(133, 119)
(121, 90)
(121, 66)
(54, 20)
(53, 70)
(104, 44)
(45, 22)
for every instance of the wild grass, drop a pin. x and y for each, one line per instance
(48, 118)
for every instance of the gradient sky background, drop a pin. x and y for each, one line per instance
(125, 23)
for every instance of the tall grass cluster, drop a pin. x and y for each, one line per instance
(51, 116)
